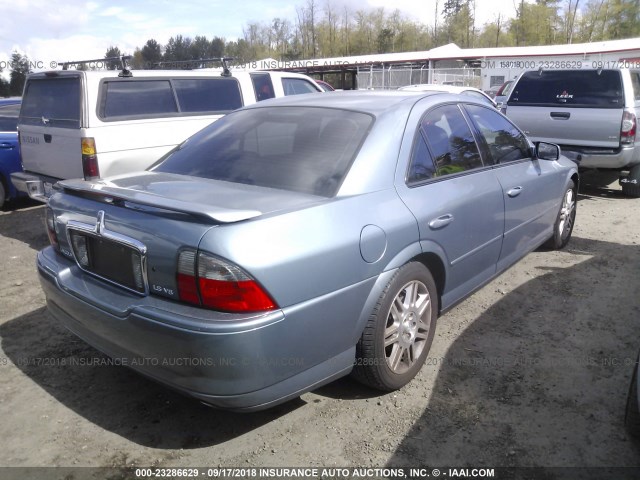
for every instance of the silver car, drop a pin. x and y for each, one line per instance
(301, 239)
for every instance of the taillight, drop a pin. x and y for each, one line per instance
(219, 285)
(628, 128)
(90, 167)
(50, 223)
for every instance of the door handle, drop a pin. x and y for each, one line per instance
(441, 221)
(560, 115)
(6, 146)
(514, 192)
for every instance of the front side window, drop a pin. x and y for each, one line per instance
(137, 98)
(505, 142)
(208, 94)
(301, 149)
(450, 140)
(297, 86)
(262, 86)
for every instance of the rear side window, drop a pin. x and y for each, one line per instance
(9, 117)
(450, 141)
(142, 98)
(138, 98)
(571, 88)
(296, 86)
(52, 101)
(301, 149)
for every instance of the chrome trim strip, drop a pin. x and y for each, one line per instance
(99, 231)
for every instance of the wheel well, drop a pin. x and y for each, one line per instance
(436, 267)
(576, 180)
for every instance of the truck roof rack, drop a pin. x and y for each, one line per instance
(198, 63)
(122, 60)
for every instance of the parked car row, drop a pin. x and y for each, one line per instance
(9, 147)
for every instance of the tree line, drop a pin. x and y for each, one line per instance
(320, 30)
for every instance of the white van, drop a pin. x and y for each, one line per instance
(91, 124)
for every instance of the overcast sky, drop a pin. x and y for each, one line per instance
(54, 30)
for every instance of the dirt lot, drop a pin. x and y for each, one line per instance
(532, 370)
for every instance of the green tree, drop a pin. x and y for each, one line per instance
(151, 53)
(19, 66)
(178, 48)
(113, 52)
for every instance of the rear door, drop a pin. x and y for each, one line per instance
(569, 107)
(50, 124)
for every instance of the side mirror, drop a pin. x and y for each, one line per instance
(547, 151)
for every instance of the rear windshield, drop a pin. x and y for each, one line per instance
(52, 101)
(301, 149)
(147, 98)
(571, 88)
(9, 117)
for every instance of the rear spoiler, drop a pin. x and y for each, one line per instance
(137, 200)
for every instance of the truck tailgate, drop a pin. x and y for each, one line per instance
(589, 127)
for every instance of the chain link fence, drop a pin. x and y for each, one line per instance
(396, 76)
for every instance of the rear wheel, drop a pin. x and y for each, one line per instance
(632, 414)
(398, 336)
(632, 189)
(563, 227)
(3, 194)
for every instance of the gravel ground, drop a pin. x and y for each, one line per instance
(532, 370)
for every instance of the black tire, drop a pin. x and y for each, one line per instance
(632, 413)
(631, 189)
(415, 323)
(563, 226)
(3, 194)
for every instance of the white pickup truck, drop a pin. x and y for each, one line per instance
(90, 124)
(591, 114)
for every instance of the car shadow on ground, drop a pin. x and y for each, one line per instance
(25, 223)
(116, 398)
(541, 375)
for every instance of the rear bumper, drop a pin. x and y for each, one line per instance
(249, 364)
(37, 187)
(616, 159)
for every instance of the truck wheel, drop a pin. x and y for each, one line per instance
(632, 189)
(566, 217)
(3, 194)
(398, 336)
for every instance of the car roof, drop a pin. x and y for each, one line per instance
(201, 72)
(436, 87)
(374, 102)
